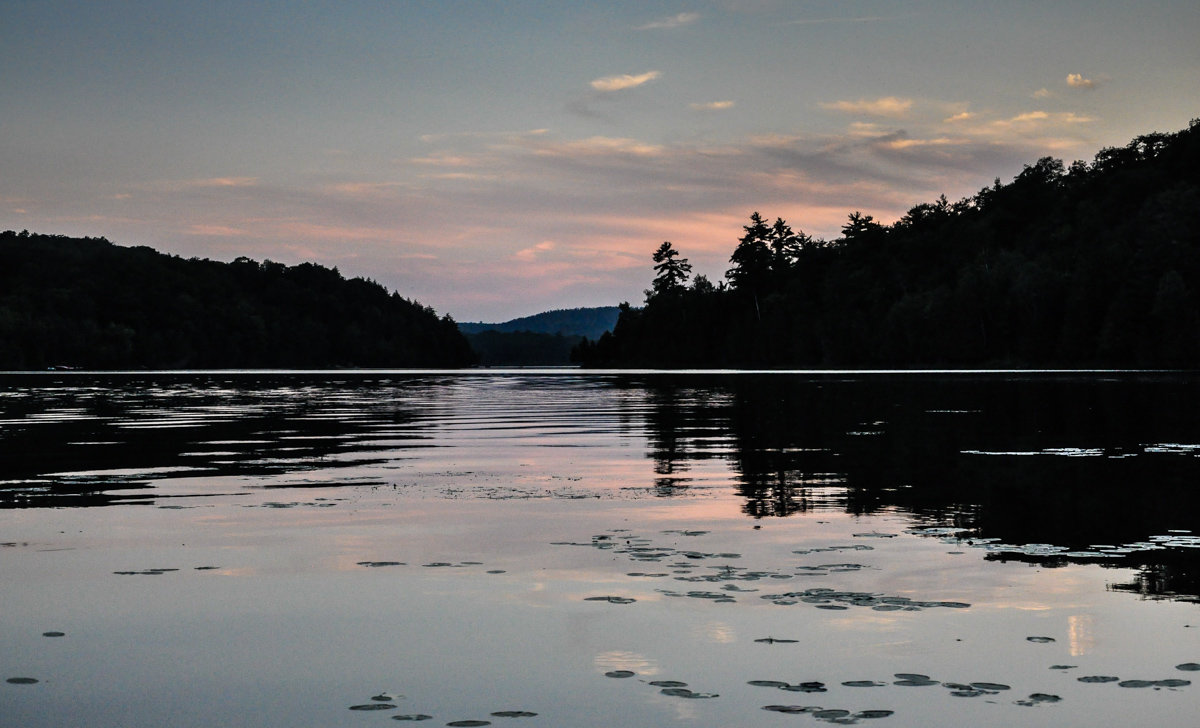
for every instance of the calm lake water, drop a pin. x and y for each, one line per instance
(599, 549)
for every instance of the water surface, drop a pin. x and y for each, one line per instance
(275, 548)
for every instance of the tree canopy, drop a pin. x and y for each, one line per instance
(1087, 265)
(86, 303)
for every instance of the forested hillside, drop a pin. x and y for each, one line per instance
(543, 339)
(88, 303)
(1092, 265)
(589, 322)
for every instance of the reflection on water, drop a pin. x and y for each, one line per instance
(594, 549)
(1048, 469)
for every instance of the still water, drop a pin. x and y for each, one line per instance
(599, 549)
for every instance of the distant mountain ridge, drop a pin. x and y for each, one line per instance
(586, 322)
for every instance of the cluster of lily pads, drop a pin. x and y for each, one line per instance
(673, 688)
(384, 701)
(686, 563)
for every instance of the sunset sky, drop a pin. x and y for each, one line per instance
(497, 159)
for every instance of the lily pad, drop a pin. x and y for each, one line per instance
(1189, 666)
(862, 684)
(989, 686)
(874, 713)
(514, 714)
(1136, 683)
(806, 687)
(1172, 683)
(610, 599)
(413, 716)
(373, 706)
(620, 673)
(790, 708)
(468, 723)
(54, 634)
(915, 683)
(668, 684)
(768, 683)
(21, 680)
(1040, 640)
(1098, 679)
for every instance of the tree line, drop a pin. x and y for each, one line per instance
(87, 303)
(1087, 265)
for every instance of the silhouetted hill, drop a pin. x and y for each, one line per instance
(1091, 265)
(87, 303)
(589, 322)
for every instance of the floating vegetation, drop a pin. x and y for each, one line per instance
(1038, 699)
(1098, 679)
(1063, 667)
(1172, 683)
(827, 598)
(686, 693)
(620, 673)
(514, 714)
(875, 534)
(1040, 640)
(375, 564)
(990, 686)
(611, 599)
(1189, 666)
(775, 641)
(832, 715)
(863, 684)
(668, 684)
(145, 572)
(768, 683)
(21, 680)
(383, 698)
(413, 716)
(54, 634)
(468, 723)
(806, 687)
(373, 706)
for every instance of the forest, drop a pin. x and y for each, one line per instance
(89, 304)
(1088, 265)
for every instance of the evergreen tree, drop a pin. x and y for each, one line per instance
(671, 275)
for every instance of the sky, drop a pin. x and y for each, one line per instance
(497, 159)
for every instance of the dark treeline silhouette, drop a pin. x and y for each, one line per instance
(87, 303)
(522, 348)
(1092, 264)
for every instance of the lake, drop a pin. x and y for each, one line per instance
(567, 548)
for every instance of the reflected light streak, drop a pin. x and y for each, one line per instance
(1081, 634)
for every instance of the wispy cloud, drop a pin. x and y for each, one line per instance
(600, 146)
(675, 21)
(887, 106)
(535, 251)
(712, 106)
(624, 81)
(222, 182)
(1076, 80)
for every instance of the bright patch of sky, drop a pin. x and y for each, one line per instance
(496, 159)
